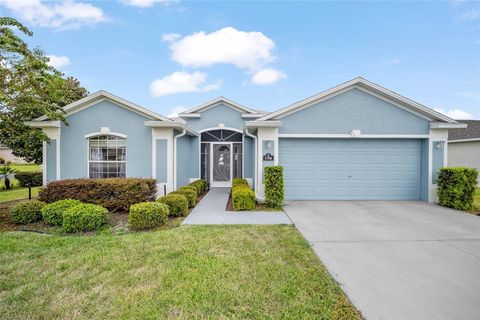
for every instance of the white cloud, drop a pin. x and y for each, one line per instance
(146, 3)
(456, 114)
(170, 37)
(246, 50)
(67, 14)
(249, 51)
(58, 61)
(181, 82)
(175, 111)
(267, 76)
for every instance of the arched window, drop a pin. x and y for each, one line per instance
(107, 156)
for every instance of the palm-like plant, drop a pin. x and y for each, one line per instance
(5, 171)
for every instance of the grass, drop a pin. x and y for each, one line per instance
(26, 167)
(16, 193)
(190, 272)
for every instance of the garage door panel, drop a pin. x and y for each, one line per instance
(343, 169)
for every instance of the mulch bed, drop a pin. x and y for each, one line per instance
(118, 221)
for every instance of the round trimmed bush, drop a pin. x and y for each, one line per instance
(237, 182)
(26, 212)
(177, 204)
(189, 194)
(243, 198)
(194, 189)
(84, 217)
(197, 186)
(146, 215)
(52, 213)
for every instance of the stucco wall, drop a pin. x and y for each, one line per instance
(187, 159)
(51, 155)
(214, 116)
(464, 154)
(354, 109)
(105, 114)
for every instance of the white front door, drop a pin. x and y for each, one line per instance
(221, 165)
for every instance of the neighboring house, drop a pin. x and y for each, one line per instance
(464, 145)
(354, 141)
(7, 155)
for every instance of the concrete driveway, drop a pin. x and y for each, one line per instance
(397, 260)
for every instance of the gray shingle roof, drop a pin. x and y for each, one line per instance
(471, 132)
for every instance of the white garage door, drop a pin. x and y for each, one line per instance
(351, 169)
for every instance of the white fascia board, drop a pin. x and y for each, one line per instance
(350, 136)
(216, 101)
(189, 115)
(174, 125)
(445, 125)
(44, 124)
(252, 115)
(464, 140)
(367, 86)
(98, 96)
(263, 124)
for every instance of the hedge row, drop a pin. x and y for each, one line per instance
(456, 187)
(115, 194)
(243, 198)
(178, 202)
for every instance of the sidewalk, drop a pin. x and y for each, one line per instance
(211, 210)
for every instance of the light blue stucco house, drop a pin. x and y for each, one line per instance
(356, 141)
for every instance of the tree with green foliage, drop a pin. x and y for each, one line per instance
(29, 88)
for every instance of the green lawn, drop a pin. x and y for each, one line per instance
(26, 167)
(17, 194)
(199, 272)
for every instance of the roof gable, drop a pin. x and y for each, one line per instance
(196, 111)
(100, 96)
(366, 86)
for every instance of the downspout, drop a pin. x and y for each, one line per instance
(184, 132)
(256, 160)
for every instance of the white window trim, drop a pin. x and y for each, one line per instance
(116, 134)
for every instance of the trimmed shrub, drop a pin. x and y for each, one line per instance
(456, 187)
(201, 185)
(177, 204)
(52, 213)
(198, 185)
(29, 179)
(115, 194)
(146, 215)
(274, 194)
(243, 198)
(26, 212)
(84, 217)
(189, 194)
(237, 182)
(192, 188)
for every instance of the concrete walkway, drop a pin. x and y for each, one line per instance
(211, 210)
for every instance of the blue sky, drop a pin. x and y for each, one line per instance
(170, 55)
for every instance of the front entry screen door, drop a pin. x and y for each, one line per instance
(221, 164)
